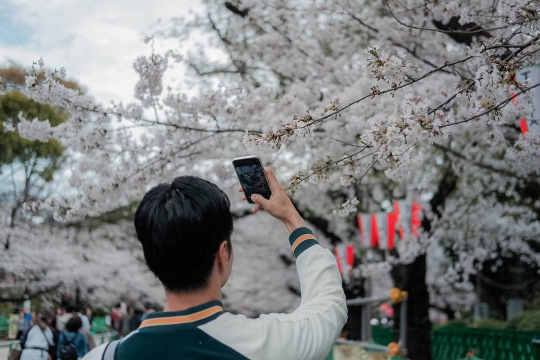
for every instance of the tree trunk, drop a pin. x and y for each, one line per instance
(412, 278)
(408, 277)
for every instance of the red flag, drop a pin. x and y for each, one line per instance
(374, 231)
(391, 230)
(350, 257)
(523, 125)
(401, 216)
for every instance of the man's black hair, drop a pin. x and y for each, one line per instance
(74, 324)
(181, 226)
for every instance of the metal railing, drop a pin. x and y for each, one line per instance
(9, 343)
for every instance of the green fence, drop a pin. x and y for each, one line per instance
(4, 326)
(383, 335)
(451, 343)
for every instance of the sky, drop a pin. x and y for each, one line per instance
(95, 41)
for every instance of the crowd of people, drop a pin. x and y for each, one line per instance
(67, 335)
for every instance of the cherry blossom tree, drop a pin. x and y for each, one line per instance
(103, 263)
(358, 102)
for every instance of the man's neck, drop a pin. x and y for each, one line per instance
(184, 301)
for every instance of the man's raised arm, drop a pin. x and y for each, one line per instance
(311, 330)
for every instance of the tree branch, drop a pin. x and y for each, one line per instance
(393, 89)
(477, 163)
(461, 32)
(376, 31)
(320, 223)
(496, 107)
(34, 295)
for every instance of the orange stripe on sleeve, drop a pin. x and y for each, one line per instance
(302, 239)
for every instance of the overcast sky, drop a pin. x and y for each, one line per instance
(96, 41)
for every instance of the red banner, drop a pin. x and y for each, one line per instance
(380, 229)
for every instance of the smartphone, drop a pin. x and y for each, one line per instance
(252, 178)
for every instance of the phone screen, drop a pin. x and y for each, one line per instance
(252, 178)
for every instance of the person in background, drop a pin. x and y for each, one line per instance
(116, 318)
(84, 319)
(89, 316)
(85, 328)
(39, 342)
(108, 321)
(135, 319)
(64, 317)
(22, 325)
(33, 318)
(90, 343)
(28, 315)
(125, 328)
(72, 336)
(51, 322)
(147, 310)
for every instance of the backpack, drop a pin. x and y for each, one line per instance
(68, 351)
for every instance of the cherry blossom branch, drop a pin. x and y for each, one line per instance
(328, 164)
(106, 113)
(499, 106)
(367, 171)
(527, 54)
(446, 102)
(189, 128)
(477, 163)
(393, 89)
(392, 41)
(346, 143)
(521, 48)
(169, 155)
(460, 32)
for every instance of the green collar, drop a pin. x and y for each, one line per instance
(194, 316)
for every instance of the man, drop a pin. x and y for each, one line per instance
(63, 317)
(71, 311)
(22, 324)
(185, 229)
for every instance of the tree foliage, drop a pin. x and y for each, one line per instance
(12, 146)
(26, 166)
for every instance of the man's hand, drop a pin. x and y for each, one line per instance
(279, 205)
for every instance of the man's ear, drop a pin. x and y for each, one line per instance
(224, 252)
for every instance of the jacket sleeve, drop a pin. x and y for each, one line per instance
(307, 333)
(315, 325)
